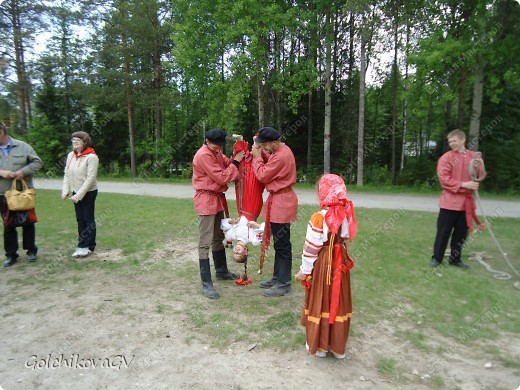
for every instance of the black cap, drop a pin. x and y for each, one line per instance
(266, 134)
(216, 136)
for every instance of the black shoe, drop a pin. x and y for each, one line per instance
(278, 290)
(32, 257)
(268, 283)
(434, 263)
(459, 264)
(10, 261)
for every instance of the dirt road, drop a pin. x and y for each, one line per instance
(502, 208)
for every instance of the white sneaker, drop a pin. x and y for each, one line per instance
(320, 354)
(77, 252)
(84, 252)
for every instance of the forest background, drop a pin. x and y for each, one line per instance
(146, 78)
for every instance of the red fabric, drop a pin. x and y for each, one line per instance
(471, 215)
(211, 172)
(248, 189)
(266, 237)
(88, 150)
(333, 197)
(338, 268)
(452, 171)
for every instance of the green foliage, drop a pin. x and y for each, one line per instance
(49, 145)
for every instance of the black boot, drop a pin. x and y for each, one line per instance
(207, 283)
(219, 258)
(270, 283)
(283, 284)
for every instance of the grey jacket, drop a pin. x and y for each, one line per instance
(21, 156)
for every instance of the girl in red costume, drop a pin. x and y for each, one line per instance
(325, 270)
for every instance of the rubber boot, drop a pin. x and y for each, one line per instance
(220, 261)
(283, 284)
(207, 284)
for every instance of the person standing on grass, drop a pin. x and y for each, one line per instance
(80, 180)
(18, 160)
(456, 201)
(212, 171)
(325, 270)
(274, 165)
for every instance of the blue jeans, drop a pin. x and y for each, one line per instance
(86, 221)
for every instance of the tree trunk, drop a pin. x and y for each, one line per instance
(462, 99)
(394, 91)
(261, 103)
(20, 66)
(476, 109)
(129, 105)
(157, 76)
(328, 105)
(405, 108)
(361, 119)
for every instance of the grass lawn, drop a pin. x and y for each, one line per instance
(393, 287)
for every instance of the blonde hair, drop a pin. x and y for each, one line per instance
(457, 133)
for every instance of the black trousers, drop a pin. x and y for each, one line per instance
(85, 210)
(452, 223)
(11, 236)
(282, 251)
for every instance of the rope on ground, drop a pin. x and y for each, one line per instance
(480, 256)
(478, 164)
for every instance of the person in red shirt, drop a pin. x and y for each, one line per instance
(275, 166)
(212, 171)
(453, 171)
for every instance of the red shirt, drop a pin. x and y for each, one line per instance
(452, 170)
(211, 174)
(279, 173)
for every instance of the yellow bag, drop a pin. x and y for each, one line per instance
(20, 200)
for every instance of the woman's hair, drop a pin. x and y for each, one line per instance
(84, 136)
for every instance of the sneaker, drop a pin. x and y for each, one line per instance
(81, 252)
(338, 356)
(434, 263)
(77, 252)
(84, 252)
(10, 261)
(320, 354)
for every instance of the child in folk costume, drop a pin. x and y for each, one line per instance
(325, 270)
(242, 232)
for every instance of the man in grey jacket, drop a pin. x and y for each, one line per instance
(18, 160)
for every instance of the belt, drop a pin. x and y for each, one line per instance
(282, 191)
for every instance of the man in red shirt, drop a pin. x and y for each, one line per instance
(276, 168)
(212, 171)
(457, 196)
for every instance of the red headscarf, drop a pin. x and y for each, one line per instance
(333, 197)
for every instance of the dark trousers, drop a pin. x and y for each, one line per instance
(11, 240)
(450, 221)
(85, 209)
(11, 236)
(282, 251)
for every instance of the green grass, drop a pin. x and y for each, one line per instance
(391, 282)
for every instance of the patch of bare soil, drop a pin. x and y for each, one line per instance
(91, 330)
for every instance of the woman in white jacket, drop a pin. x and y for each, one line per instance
(80, 181)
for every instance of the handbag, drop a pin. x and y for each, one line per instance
(20, 200)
